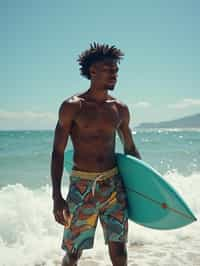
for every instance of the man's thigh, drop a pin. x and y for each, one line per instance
(79, 234)
(114, 214)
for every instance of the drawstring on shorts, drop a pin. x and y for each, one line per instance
(98, 178)
(95, 176)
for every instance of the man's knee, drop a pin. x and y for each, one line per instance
(71, 259)
(118, 253)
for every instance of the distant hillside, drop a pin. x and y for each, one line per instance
(192, 121)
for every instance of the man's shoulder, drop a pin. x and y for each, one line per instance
(71, 104)
(73, 100)
(121, 105)
(122, 108)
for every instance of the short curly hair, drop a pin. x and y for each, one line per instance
(97, 52)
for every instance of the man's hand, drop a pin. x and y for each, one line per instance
(61, 211)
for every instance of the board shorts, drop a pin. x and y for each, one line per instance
(91, 198)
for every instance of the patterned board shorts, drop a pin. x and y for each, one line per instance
(107, 201)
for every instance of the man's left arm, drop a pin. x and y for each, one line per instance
(125, 134)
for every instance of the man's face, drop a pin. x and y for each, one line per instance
(106, 74)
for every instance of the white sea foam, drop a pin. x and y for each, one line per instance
(161, 130)
(30, 236)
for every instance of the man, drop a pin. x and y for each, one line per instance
(92, 119)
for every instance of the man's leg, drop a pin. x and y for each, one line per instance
(114, 220)
(79, 235)
(118, 253)
(71, 260)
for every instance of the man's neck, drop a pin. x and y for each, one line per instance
(99, 95)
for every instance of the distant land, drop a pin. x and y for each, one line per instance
(192, 121)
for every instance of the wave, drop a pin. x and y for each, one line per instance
(161, 130)
(30, 236)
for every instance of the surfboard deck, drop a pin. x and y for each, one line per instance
(152, 201)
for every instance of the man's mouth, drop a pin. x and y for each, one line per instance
(112, 81)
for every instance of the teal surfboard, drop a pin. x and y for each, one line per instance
(152, 202)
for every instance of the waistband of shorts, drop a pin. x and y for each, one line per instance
(94, 175)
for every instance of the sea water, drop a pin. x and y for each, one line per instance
(29, 234)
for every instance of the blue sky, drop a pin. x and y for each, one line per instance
(40, 41)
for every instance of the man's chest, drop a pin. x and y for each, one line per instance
(92, 116)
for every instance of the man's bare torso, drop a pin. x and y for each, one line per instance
(93, 133)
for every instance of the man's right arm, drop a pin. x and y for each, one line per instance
(62, 131)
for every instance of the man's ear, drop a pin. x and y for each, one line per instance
(92, 70)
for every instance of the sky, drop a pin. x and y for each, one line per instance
(41, 39)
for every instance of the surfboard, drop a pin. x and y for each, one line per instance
(152, 201)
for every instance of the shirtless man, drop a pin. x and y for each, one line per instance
(92, 119)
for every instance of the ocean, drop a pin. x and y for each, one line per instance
(30, 236)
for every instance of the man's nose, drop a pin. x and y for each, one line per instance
(114, 74)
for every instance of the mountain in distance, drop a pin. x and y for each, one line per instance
(192, 121)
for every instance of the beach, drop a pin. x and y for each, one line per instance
(29, 234)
